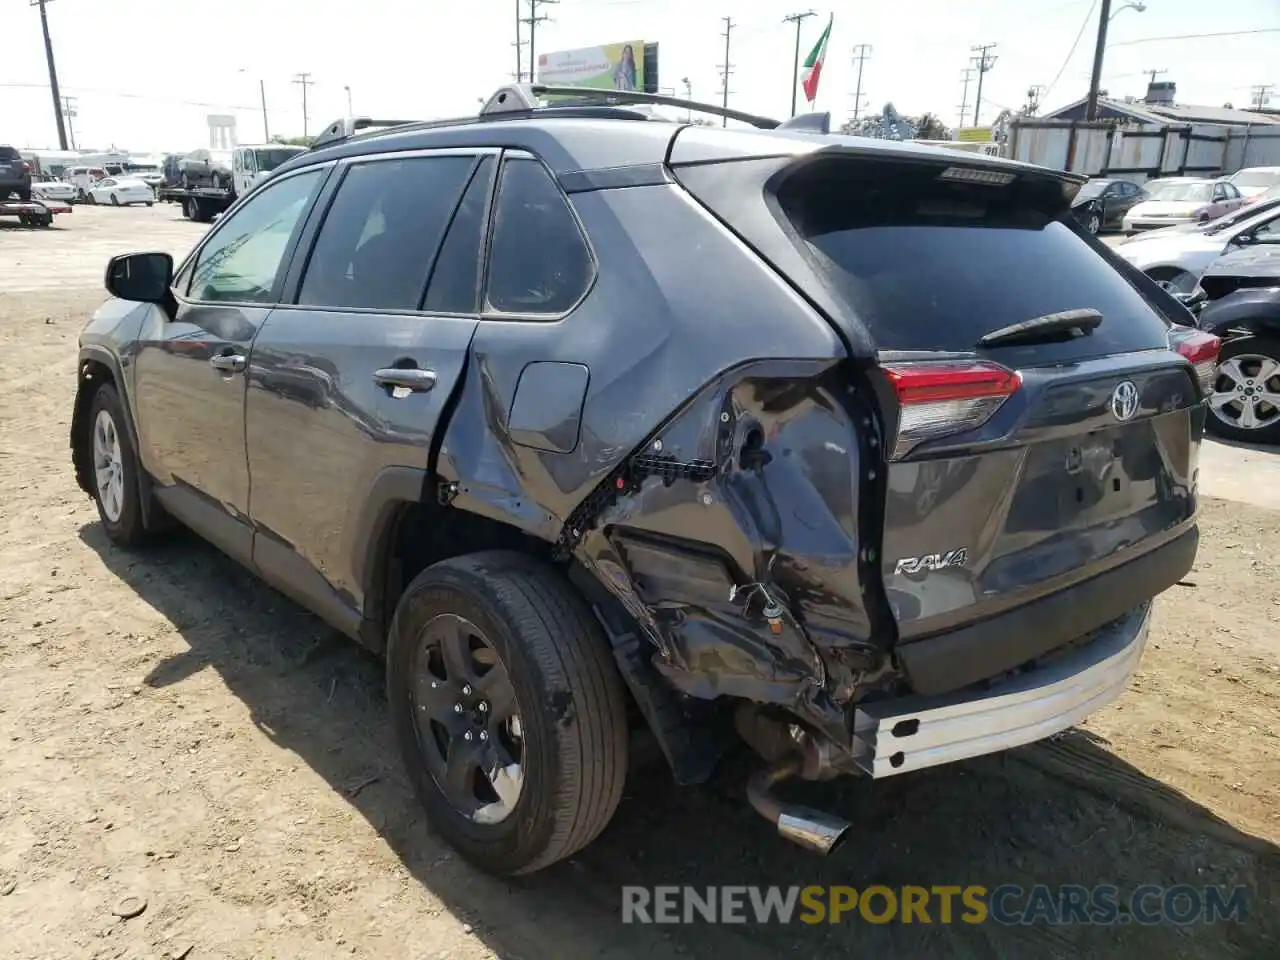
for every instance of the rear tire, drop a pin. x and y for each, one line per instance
(115, 469)
(1245, 404)
(115, 200)
(1173, 279)
(570, 748)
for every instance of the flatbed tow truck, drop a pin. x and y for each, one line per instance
(200, 204)
(33, 212)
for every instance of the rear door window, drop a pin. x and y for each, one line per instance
(539, 262)
(933, 266)
(381, 234)
(455, 279)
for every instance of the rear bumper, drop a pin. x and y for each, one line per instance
(911, 733)
(952, 661)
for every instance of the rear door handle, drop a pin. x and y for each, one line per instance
(228, 363)
(411, 378)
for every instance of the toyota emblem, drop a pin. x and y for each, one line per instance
(1124, 400)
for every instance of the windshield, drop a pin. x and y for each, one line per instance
(142, 168)
(1184, 192)
(1256, 178)
(1092, 189)
(270, 159)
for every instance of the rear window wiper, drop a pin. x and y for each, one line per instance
(1065, 325)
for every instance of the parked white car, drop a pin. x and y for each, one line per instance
(119, 191)
(1252, 181)
(53, 190)
(1178, 258)
(1182, 201)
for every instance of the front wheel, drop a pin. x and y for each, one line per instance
(92, 199)
(1094, 225)
(115, 200)
(508, 710)
(1244, 404)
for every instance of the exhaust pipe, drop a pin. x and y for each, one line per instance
(811, 829)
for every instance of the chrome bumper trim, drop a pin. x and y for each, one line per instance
(911, 733)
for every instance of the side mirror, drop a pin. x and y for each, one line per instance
(1243, 239)
(143, 277)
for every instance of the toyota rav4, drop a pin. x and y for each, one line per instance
(593, 422)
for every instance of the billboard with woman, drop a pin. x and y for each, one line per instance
(613, 66)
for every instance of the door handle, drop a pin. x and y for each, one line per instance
(228, 363)
(411, 378)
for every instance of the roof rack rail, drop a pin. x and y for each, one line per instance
(348, 127)
(523, 98)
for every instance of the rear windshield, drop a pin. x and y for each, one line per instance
(933, 266)
(1183, 192)
(9, 153)
(1256, 178)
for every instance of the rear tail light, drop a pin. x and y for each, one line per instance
(1201, 350)
(939, 399)
(26, 168)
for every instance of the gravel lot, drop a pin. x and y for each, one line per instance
(175, 732)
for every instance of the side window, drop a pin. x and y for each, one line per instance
(382, 231)
(1219, 191)
(106, 182)
(1233, 192)
(455, 279)
(538, 258)
(1268, 232)
(237, 163)
(242, 257)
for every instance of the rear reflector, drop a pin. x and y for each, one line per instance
(1201, 350)
(938, 399)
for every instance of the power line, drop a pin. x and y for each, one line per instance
(966, 77)
(797, 19)
(861, 53)
(1197, 36)
(727, 68)
(533, 20)
(53, 73)
(304, 80)
(1260, 95)
(1034, 93)
(1072, 52)
(983, 62)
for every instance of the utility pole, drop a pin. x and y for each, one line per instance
(966, 77)
(304, 80)
(350, 111)
(1034, 93)
(519, 45)
(797, 19)
(533, 20)
(69, 111)
(1260, 95)
(1154, 73)
(727, 68)
(53, 74)
(861, 53)
(688, 95)
(1091, 105)
(266, 127)
(983, 62)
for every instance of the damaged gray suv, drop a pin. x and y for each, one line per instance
(593, 422)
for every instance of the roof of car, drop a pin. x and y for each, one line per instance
(570, 143)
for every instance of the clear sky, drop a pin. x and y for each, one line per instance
(145, 73)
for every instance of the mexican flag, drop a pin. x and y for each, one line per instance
(813, 63)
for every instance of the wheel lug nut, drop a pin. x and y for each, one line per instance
(467, 736)
(483, 707)
(466, 690)
(483, 735)
(457, 708)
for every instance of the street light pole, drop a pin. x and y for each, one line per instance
(266, 128)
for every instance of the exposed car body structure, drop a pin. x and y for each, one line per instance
(754, 421)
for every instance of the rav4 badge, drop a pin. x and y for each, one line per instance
(933, 561)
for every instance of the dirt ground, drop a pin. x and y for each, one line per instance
(175, 732)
